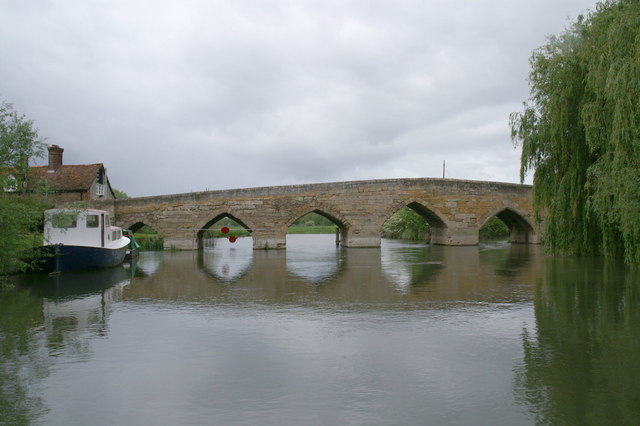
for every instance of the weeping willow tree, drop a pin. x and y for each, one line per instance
(580, 133)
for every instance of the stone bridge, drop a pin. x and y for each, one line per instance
(454, 209)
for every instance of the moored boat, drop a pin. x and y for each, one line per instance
(133, 249)
(80, 239)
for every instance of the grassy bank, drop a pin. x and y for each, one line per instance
(319, 229)
(149, 242)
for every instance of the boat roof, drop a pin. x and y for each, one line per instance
(77, 209)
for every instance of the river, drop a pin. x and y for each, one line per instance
(405, 334)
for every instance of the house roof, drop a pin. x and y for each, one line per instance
(67, 178)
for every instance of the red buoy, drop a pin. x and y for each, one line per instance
(232, 239)
(224, 230)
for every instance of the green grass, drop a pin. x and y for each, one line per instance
(319, 229)
(149, 242)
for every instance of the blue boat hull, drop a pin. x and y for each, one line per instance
(63, 258)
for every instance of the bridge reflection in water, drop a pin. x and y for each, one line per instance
(226, 261)
(313, 263)
(402, 334)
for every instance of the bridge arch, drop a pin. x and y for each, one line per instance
(333, 217)
(202, 229)
(137, 226)
(437, 225)
(331, 214)
(156, 244)
(520, 229)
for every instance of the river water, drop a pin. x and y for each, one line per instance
(407, 334)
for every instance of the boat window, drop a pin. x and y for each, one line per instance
(64, 220)
(116, 235)
(93, 221)
(107, 222)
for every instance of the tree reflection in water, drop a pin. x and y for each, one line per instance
(44, 318)
(409, 265)
(582, 362)
(21, 322)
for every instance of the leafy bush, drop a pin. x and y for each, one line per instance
(405, 224)
(313, 219)
(21, 221)
(149, 242)
(494, 228)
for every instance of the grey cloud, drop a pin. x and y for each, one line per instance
(182, 96)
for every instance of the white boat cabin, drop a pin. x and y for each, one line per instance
(82, 227)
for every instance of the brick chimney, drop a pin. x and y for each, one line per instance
(55, 157)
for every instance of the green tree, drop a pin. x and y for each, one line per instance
(313, 219)
(20, 214)
(21, 218)
(19, 143)
(495, 228)
(580, 133)
(405, 224)
(120, 194)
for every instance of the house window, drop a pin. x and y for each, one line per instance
(100, 189)
(11, 184)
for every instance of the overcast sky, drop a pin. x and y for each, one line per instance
(190, 95)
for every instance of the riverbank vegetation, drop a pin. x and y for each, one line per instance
(580, 134)
(494, 229)
(327, 229)
(21, 213)
(148, 239)
(21, 219)
(313, 223)
(407, 224)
